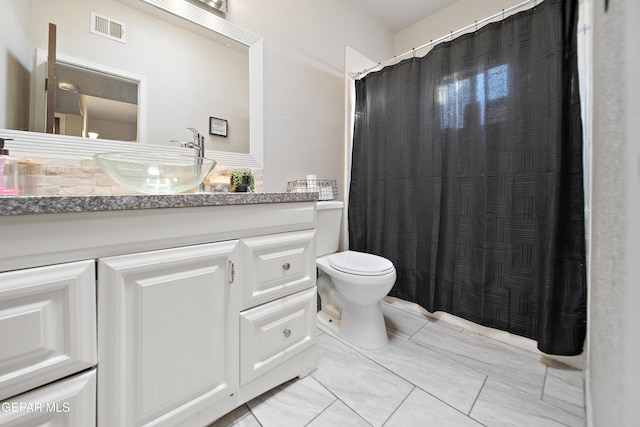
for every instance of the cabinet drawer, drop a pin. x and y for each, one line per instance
(70, 402)
(47, 325)
(277, 265)
(275, 332)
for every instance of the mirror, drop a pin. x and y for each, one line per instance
(202, 23)
(91, 100)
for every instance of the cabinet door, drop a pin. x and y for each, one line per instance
(47, 325)
(275, 332)
(166, 345)
(277, 265)
(66, 403)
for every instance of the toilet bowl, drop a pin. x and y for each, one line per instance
(351, 284)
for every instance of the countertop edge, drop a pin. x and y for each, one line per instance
(56, 204)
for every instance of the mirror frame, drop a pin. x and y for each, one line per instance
(34, 143)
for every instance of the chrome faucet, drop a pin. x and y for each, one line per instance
(198, 142)
(198, 146)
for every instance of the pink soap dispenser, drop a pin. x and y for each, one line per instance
(8, 172)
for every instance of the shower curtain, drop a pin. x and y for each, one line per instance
(467, 174)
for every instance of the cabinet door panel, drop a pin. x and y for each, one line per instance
(277, 265)
(66, 403)
(47, 325)
(273, 333)
(166, 350)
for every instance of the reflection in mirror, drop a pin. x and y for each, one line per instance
(94, 103)
(203, 82)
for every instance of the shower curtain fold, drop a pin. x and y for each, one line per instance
(467, 174)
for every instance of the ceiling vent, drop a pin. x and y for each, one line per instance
(107, 27)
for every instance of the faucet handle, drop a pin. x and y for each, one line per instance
(183, 144)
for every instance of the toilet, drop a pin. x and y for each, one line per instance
(351, 284)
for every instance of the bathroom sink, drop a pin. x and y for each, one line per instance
(155, 173)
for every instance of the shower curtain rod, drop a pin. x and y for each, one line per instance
(502, 14)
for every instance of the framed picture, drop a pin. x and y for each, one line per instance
(217, 126)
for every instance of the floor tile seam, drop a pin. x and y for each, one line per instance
(577, 374)
(473, 405)
(414, 384)
(395, 374)
(531, 395)
(579, 407)
(544, 383)
(463, 330)
(544, 392)
(428, 318)
(399, 405)
(493, 344)
(391, 371)
(498, 345)
(467, 365)
(337, 399)
(582, 415)
(409, 312)
(418, 330)
(360, 352)
(255, 417)
(486, 375)
(249, 413)
(446, 356)
(453, 407)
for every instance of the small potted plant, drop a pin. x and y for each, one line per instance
(242, 180)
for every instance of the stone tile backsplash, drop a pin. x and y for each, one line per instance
(53, 176)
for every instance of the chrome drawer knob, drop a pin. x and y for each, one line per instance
(287, 333)
(286, 266)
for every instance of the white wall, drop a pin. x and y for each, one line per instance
(614, 314)
(304, 83)
(451, 18)
(15, 65)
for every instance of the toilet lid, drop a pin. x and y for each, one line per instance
(360, 263)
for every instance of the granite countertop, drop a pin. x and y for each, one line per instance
(33, 205)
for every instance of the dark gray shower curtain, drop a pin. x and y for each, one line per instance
(467, 174)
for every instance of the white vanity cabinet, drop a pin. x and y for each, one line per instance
(47, 325)
(277, 265)
(167, 335)
(275, 332)
(199, 309)
(70, 402)
(277, 321)
(174, 347)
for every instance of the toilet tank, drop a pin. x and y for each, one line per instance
(328, 225)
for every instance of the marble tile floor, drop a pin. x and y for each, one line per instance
(431, 373)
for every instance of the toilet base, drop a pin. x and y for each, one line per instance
(362, 326)
(330, 323)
